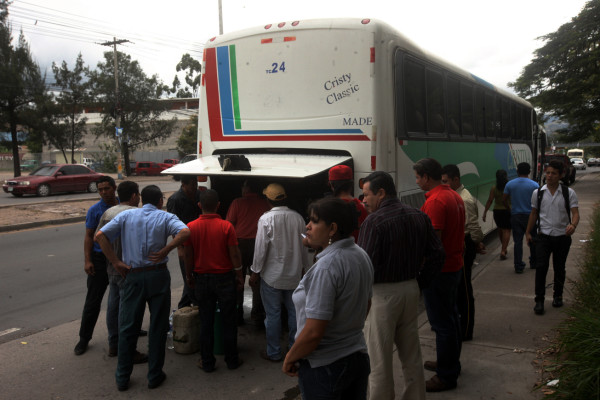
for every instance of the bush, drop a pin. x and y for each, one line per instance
(578, 356)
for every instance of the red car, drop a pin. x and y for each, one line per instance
(150, 168)
(53, 178)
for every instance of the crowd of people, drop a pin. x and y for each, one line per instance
(347, 282)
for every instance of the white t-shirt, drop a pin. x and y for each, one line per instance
(553, 213)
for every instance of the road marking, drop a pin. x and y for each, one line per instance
(8, 331)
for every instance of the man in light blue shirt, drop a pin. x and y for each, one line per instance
(519, 191)
(144, 233)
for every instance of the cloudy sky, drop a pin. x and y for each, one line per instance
(491, 39)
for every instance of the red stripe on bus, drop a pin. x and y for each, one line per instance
(372, 54)
(373, 163)
(287, 138)
(212, 94)
(264, 41)
(289, 39)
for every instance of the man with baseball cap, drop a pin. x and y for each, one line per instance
(279, 260)
(341, 181)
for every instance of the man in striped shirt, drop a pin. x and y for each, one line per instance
(404, 249)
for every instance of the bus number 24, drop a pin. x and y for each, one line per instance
(276, 67)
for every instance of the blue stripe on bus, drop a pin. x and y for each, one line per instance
(226, 99)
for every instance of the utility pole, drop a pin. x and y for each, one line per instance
(118, 131)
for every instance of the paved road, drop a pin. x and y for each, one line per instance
(42, 282)
(166, 184)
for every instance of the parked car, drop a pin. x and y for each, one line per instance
(593, 162)
(29, 165)
(171, 161)
(144, 168)
(569, 169)
(578, 163)
(53, 178)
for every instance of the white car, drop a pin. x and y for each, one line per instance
(578, 163)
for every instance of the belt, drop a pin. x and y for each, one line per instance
(149, 268)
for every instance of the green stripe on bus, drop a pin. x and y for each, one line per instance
(234, 88)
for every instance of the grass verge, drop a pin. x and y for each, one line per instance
(576, 363)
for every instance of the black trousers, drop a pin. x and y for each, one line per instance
(465, 300)
(96, 287)
(558, 247)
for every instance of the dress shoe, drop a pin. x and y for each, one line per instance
(143, 333)
(435, 384)
(557, 302)
(81, 347)
(265, 356)
(539, 307)
(139, 358)
(207, 369)
(113, 351)
(236, 364)
(430, 365)
(123, 386)
(158, 381)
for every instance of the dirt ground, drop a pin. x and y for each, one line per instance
(24, 214)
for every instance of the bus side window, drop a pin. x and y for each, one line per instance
(453, 106)
(466, 105)
(436, 122)
(414, 96)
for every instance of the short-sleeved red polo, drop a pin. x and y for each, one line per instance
(446, 210)
(210, 237)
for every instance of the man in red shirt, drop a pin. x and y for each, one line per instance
(244, 213)
(213, 268)
(446, 210)
(341, 181)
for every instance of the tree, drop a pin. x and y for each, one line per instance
(68, 126)
(186, 144)
(21, 82)
(563, 79)
(192, 69)
(141, 112)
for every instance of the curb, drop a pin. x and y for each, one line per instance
(29, 225)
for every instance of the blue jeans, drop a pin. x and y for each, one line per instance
(272, 299)
(139, 288)
(440, 303)
(519, 226)
(112, 309)
(346, 378)
(211, 288)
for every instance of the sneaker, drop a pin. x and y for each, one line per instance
(557, 302)
(81, 347)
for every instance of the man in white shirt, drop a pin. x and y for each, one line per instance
(555, 215)
(279, 261)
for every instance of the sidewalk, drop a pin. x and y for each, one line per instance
(500, 363)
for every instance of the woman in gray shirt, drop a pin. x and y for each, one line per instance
(332, 300)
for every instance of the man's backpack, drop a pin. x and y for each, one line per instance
(565, 193)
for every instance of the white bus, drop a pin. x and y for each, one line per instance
(575, 153)
(297, 98)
